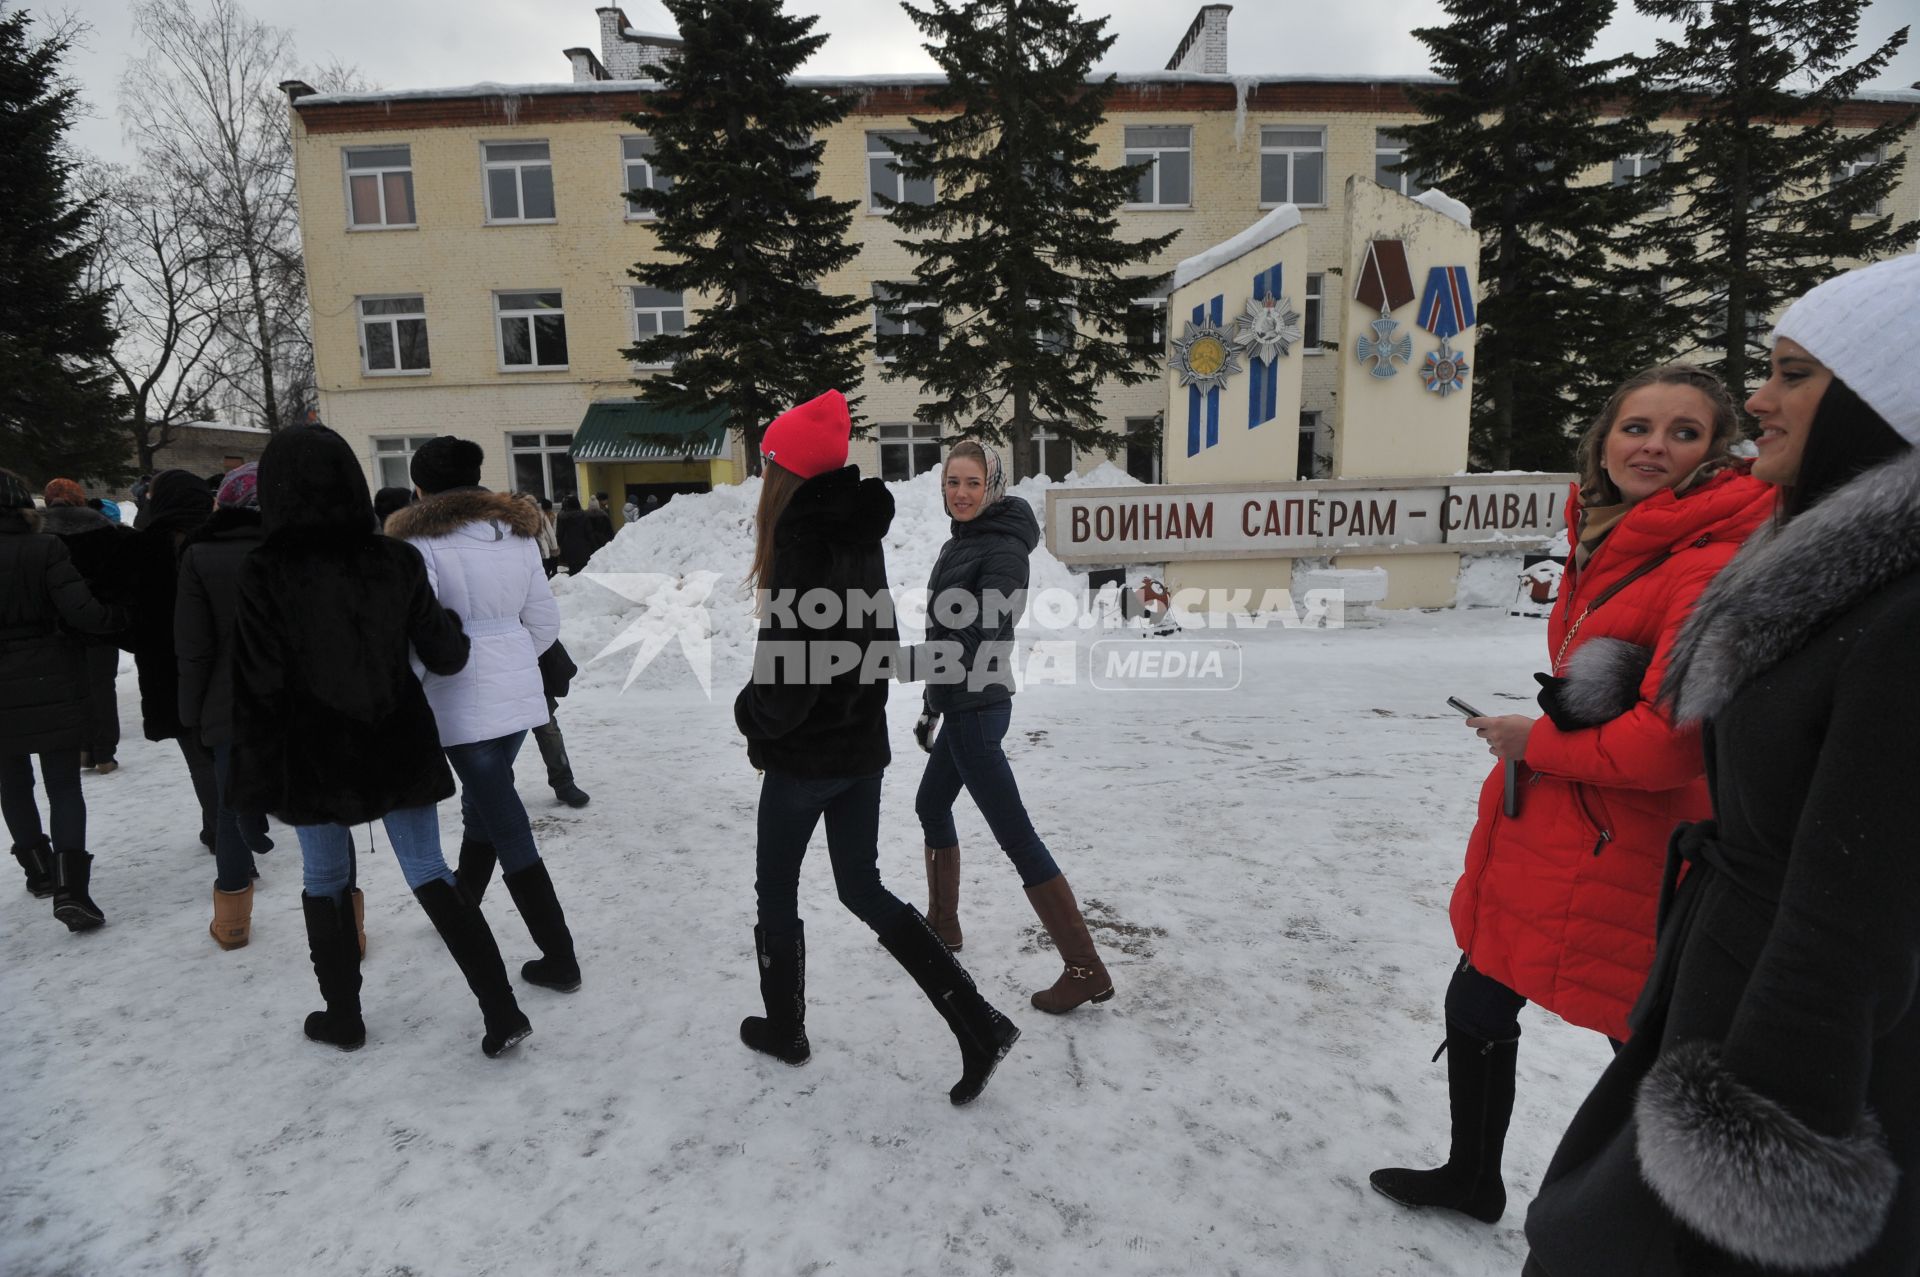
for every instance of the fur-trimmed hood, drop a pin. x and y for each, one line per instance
(447, 512)
(72, 520)
(1789, 583)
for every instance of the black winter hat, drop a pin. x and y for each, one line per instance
(446, 462)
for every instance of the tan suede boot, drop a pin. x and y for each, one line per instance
(1085, 978)
(232, 923)
(943, 895)
(360, 920)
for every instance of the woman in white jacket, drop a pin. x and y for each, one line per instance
(484, 562)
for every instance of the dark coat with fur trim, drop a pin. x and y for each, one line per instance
(45, 606)
(1766, 1116)
(1557, 903)
(828, 538)
(987, 558)
(203, 617)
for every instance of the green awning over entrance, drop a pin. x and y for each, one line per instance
(629, 430)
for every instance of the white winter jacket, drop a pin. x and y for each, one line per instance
(484, 564)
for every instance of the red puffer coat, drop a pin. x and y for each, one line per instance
(1557, 903)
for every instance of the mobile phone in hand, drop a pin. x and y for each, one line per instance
(1456, 703)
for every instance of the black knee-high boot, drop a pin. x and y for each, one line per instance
(1480, 1077)
(983, 1033)
(782, 1032)
(475, 869)
(532, 892)
(336, 964)
(468, 938)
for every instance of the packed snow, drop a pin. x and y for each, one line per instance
(1446, 206)
(1265, 870)
(1270, 227)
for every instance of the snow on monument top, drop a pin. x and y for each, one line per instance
(1447, 206)
(1273, 225)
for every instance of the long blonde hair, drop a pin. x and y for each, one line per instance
(777, 486)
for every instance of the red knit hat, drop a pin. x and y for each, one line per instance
(65, 492)
(811, 439)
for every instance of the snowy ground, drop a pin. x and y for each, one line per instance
(1266, 870)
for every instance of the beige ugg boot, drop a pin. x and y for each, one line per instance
(232, 923)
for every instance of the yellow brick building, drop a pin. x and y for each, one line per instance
(467, 252)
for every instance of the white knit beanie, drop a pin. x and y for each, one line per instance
(1865, 326)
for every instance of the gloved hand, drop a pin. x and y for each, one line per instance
(924, 727)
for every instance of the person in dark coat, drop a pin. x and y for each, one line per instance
(818, 733)
(331, 727)
(574, 528)
(146, 579)
(1764, 1118)
(95, 542)
(975, 596)
(43, 703)
(203, 639)
(388, 500)
(600, 519)
(556, 675)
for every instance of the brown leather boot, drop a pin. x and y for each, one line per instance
(943, 895)
(232, 923)
(360, 920)
(1085, 978)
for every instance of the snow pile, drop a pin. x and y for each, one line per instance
(1447, 206)
(692, 554)
(1272, 226)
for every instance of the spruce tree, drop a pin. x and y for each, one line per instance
(1021, 286)
(736, 145)
(1516, 138)
(59, 416)
(1768, 196)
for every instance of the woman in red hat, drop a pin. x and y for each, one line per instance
(814, 716)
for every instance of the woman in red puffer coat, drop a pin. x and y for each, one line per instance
(1557, 902)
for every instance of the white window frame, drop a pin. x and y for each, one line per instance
(905, 314)
(518, 167)
(1159, 307)
(1313, 299)
(913, 436)
(544, 449)
(660, 313)
(1041, 437)
(408, 445)
(379, 174)
(500, 316)
(654, 180)
(1153, 152)
(1405, 183)
(877, 149)
(1855, 167)
(392, 322)
(1290, 150)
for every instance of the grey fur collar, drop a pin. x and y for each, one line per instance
(1786, 585)
(72, 520)
(1750, 1177)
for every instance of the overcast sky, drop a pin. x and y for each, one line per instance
(417, 44)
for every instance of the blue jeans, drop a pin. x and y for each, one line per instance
(235, 836)
(326, 852)
(66, 808)
(967, 754)
(790, 807)
(490, 807)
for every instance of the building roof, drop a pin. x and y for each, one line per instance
(632, 430)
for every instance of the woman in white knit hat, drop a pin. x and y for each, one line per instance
(1764, 1117)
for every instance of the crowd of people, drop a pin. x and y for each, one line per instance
(1700, 848)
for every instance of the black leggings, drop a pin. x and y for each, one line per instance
(66, 808)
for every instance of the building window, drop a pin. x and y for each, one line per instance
(891, 319)
(1167, 182)
(1388, 150)
(519, 181)
(1312, 462)
(380, 187)
(533, 330)
(657, 311)
(1293, 166)
(1049, 454)
(393, 458)
(1854, 168)
(907, 450)
(393, 335)
(884, 177)
(1143, 448)
(540, 465)
(1629, 168)
(636, 155)
(1310, 316)
(1147, 326)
